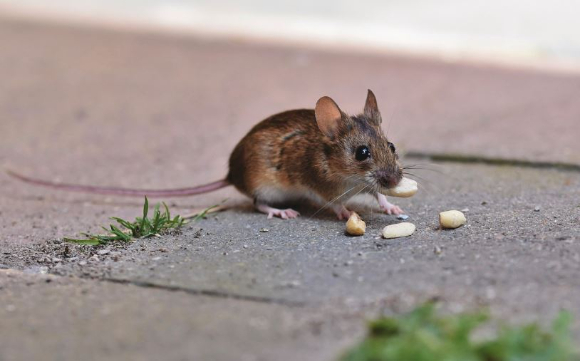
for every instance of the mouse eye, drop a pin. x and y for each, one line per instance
(362, 153)
(392, 147)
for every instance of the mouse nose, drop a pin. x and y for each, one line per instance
(388, 179)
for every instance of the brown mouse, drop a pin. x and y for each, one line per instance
(322, 155)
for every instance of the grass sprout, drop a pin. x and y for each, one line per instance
(203, 214)
(142, 227)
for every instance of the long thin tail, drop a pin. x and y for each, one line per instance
(179, 192)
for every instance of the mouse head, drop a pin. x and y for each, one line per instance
(357, 148)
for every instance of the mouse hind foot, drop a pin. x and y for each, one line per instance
(282, 213)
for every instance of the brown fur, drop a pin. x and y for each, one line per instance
(289, 151)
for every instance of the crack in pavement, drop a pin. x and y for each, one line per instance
(476, 159)
(190, 291)
(204, 292)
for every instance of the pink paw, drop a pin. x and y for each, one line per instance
(341, 212)
(388, 207)
(392, 209)
(282, 213)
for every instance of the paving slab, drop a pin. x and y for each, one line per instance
(239, 286)
(45, 317)
(522, 239)
(507, 245)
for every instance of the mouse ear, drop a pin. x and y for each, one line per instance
(372, 109)
(328, 116)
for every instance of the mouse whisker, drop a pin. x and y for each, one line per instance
(414, 175)
(360, 191)
(425, 184)
(329, 203)
(350, 177)
(423, 167)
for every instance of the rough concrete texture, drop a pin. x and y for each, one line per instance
(54, 318)
(519, 256)
(107, 108)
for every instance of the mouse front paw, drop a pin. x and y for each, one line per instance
(392, 209)
(387, 206)
(341, 212)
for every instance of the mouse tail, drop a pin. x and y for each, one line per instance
(178, 192)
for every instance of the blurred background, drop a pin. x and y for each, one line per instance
(501, 30)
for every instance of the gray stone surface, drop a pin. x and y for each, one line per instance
(154, 111)
(44, 317)
(506, 246)
(519, 256)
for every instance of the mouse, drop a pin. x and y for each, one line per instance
(322, 155)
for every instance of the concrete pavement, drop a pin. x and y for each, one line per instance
(147, 110)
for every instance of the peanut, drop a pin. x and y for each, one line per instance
(403, 229)
(451, 219)
(406, 188)
(355, 226)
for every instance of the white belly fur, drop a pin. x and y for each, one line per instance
(278, 195)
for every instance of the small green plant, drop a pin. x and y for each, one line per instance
(142, 227)
(203, 214)
(422, 335)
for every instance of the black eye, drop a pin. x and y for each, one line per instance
(362, 153)
(392, 147)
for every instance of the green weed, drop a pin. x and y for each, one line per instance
(141, 227)
(422, 335)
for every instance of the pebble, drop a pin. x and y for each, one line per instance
(82, 263)
(104, 252)
(403, 217)
(537, 208)
(264, 230)
(437, 250)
